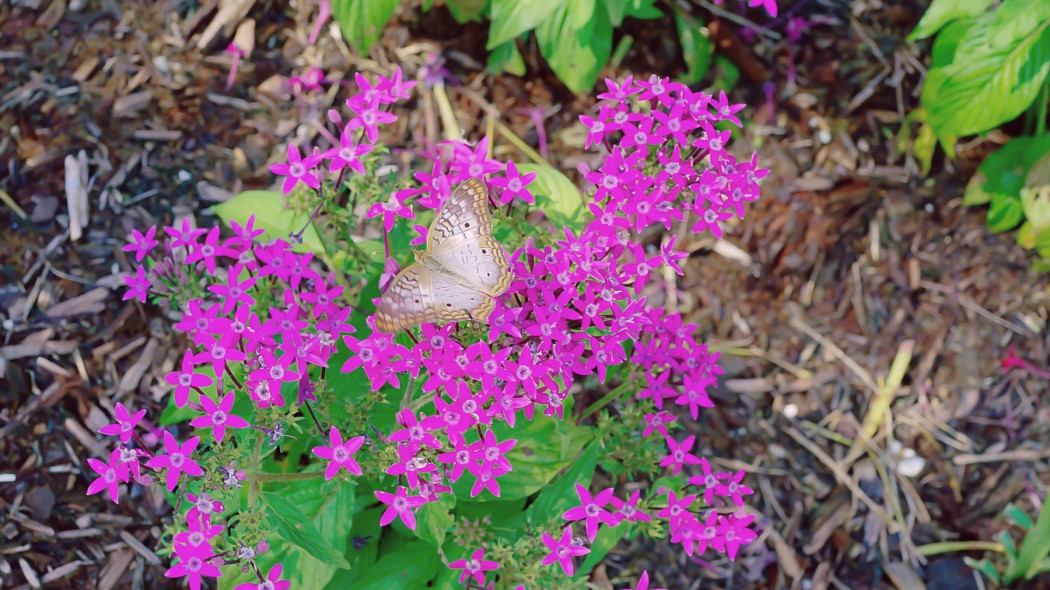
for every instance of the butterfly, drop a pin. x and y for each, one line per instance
(462, 270)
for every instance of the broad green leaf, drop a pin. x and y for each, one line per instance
(1042, 242)
(295, 527)
(512, 18)
(506, 58)
(328, 505)
(576, 55)
(974, 193)
(273, 216)
(1016, 19)
(941, 12)
(363, 547)
(580, 12)
(556, 195)
(985, 85)
(617, 9)
(697, 48)
(604, 541)
(561, 495)
(924, 146)
(409, 566)
(1004, 214)
(643, 10)
(362, 21)
(545, 446)
(434, 519)
(466, 10)
(505, 517)
(1036, 205)
(1001, 174)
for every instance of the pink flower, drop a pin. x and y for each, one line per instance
(186, 379)
(125, 425)
(591, 510)
(562, 550)
(297, 169)
(273, 580)
(110, 475)
(340, 455)
(141, 243)
(643, 583)
(475, 567)
(138, 285)
(218, 416)
(678, 455)
(400, 505)
(346, 154)
(733, 532)
(193, 568)
(177, 461)
(514, 184)
(235, 290)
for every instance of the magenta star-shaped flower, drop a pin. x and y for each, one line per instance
(513, 185)
(298, 169)
(110, 475)
(475, 567)
(679, 455)
(138, 285)
(643, 583)
(273, 579)
(218, 416)
(125, 425)
(141, 244)
(177, 460)
(340, 455)
(400, 505)
(591, 510)
(562, 550)
(185, 379)
(347, 155)
(235, 290)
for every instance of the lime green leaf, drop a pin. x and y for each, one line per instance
(1000, 175)
(1042, 242)
(506, 58)
(545, 446)
(1004, 214)
(295, 527)
(697, 48)
(409, 566)
(576, 55)
(362, 21)
(512, 18)
(434, 519)
(561, 495)
(1016, 19)
(466, 10)
(273, 216)
(604, 541)
(1036, 205)
(941, 12)
(986, 85)
(974, 194)
(924, 146)
(984, 566)
(556, 195)
(580, 12)
(643, 10)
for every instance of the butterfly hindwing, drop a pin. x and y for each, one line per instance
(419, 295)
(464, 216)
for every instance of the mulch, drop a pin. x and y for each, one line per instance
(115, 117)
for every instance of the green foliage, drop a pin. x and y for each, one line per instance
(362, 21)
(272, 215)
(1028, 561)
(990, 65)
(556, 195)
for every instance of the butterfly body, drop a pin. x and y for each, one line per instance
(462, 269)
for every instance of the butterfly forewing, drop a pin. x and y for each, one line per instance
(463, 268)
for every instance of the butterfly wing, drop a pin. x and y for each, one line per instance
(461, 241)
(419, 295)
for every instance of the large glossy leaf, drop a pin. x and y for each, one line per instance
(409, 566)
(576, 54)
(561, 495)
(987, 83)
(434, 519)
(272, 215)
(556, 195)
(328, 509)
(697, 48)
(545, 446)
(362, 21)
(511, 18)
(466, 10)
(1005, 213)
(942, 12)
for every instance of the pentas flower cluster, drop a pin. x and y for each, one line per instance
(576, 308)
(265, 322)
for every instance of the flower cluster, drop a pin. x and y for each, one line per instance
(265, 324)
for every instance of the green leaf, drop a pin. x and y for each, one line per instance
(580, 12)
(409, 566)
(465, 11)
(1016, 19)
(545, 446)
(1034, 548)
(328, 505)
(1042, 242)
(1036, 205)
(561, 495)
(984, 566)
(576, 54)
(506, 58)
(362, 556)
(434, 519)
(1000, 175)
(697, 48)
(512, 18)
(505, 516)
(986, 85)
(273, 216)
(941, 12)
(604, 541)
(362, 21)
(295, 527)
(643, 10)
(556, 195)
(1004, 214)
